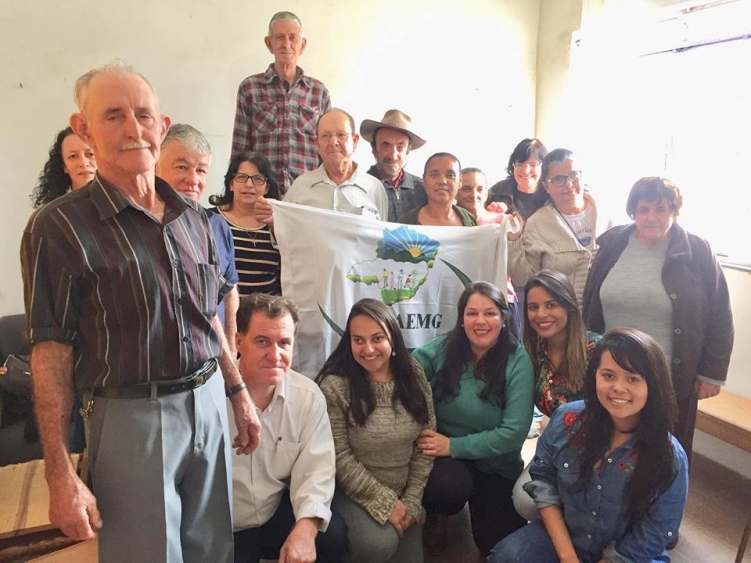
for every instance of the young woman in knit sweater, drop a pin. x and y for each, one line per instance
(378, 401)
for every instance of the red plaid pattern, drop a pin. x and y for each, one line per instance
(280, 123)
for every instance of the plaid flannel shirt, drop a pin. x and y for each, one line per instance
(280, 122)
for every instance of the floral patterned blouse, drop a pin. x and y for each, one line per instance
(550, 390)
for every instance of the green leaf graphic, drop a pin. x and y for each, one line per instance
(330, 322)
(459, 274)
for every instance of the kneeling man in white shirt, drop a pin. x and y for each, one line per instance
(283, 490)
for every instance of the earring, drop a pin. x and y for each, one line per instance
(393, 352)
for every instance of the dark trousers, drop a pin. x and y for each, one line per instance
(265, 541)
(686, 423)
(515, 320)
(454, 482)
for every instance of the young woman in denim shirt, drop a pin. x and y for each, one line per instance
(608, 478)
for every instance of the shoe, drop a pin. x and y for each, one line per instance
(434, 533)
(534, 430)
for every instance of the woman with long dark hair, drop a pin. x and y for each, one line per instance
(608, 478)
(482, 382)
(250, 176)
(560, 348)
(378, 401)
(556, 339)
(71, 165)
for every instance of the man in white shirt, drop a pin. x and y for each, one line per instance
(339, 184)
(287, 483)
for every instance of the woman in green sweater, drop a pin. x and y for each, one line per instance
(378, 401)
(483, 383)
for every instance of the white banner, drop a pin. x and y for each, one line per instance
(331, 260)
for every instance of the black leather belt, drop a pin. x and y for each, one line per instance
(201, 376)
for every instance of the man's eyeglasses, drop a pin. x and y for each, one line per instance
(257, 179)
(341, 137)
(561, 180)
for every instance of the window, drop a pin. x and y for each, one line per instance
(675, 101)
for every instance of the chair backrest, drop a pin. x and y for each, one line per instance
(13, 336)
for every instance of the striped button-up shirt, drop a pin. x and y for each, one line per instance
(133, 297)
(280, 122)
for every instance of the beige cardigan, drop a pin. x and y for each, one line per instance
(548, 243)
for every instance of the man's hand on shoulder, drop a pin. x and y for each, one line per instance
(73, 508)
(247, 423)
(300, 546)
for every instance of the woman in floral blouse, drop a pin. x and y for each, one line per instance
(556, 340)
(560, 347)
(609, 479)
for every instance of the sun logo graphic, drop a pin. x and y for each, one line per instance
(404, 258)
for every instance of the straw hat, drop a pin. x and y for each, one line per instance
(393, 119)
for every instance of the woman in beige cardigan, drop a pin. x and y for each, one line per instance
(560, 236)
(378, 401)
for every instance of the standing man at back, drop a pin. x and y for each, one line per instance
(121, 281)
(277, 110)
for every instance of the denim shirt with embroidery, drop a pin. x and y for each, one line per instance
(596, 517)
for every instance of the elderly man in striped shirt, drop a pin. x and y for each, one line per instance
(121, 285)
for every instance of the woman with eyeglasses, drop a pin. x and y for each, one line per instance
(250, 176)
(520, 190)
(561, 235)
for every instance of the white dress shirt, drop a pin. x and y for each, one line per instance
(361, 194)
(296, 453)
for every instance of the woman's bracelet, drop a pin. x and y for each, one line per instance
(235, 389)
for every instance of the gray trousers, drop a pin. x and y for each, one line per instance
(161, 474)
(371, 542)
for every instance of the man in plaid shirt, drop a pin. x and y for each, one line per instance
(277, 110)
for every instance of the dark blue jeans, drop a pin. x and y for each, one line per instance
(265, 541)
(532, 543)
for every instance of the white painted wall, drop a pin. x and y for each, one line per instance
(465, 72)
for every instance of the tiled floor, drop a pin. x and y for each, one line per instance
(719, 504)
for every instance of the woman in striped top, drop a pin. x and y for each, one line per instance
(257, 259)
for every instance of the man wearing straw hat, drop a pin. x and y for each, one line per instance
(391, 140)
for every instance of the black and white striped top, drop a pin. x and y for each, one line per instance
(257, 258)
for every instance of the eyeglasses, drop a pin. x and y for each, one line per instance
(341, 137)
(560, 180)
(257, 179)
(526, 166)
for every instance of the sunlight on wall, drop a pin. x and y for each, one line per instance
(684, 115)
